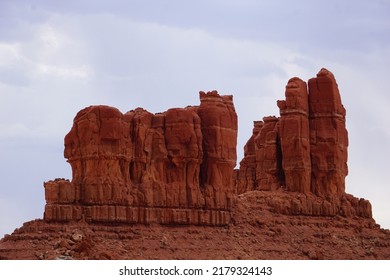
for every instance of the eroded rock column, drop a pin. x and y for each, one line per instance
(98, 149)
(294, 136)
(269, 175)
(328, 136)
(219, 129)
(246, 180)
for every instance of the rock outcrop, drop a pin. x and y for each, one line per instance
(258, 230)
(303, 151)
(177, 167)
(171, 168)
(287, 200)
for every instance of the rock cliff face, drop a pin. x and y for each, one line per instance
(303, 151)
(171, 168)
(256, 231)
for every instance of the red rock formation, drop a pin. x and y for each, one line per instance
(304, 151)
(219, 129)
(247, 180)
(328, 136)
(141, 167)
(176, 168)
(261, 227)
(97, 148)
(184, 139)
(268, 160)
(294, 136)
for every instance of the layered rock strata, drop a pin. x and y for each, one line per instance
(170, 168)
(303, 151)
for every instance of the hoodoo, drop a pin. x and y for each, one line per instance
(303, 151)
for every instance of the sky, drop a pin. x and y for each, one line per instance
(57, 57)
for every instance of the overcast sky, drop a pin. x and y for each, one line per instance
(57, 57)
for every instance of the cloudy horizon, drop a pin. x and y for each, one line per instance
(57, 57)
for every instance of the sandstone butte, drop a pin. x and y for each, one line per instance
(163, 186)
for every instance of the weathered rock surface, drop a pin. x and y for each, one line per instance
(171, 168)
(303, 151)
(259, 229)
(219, 130)
(294, 136)
(268, 156)
(245, 179)
(328, 136)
